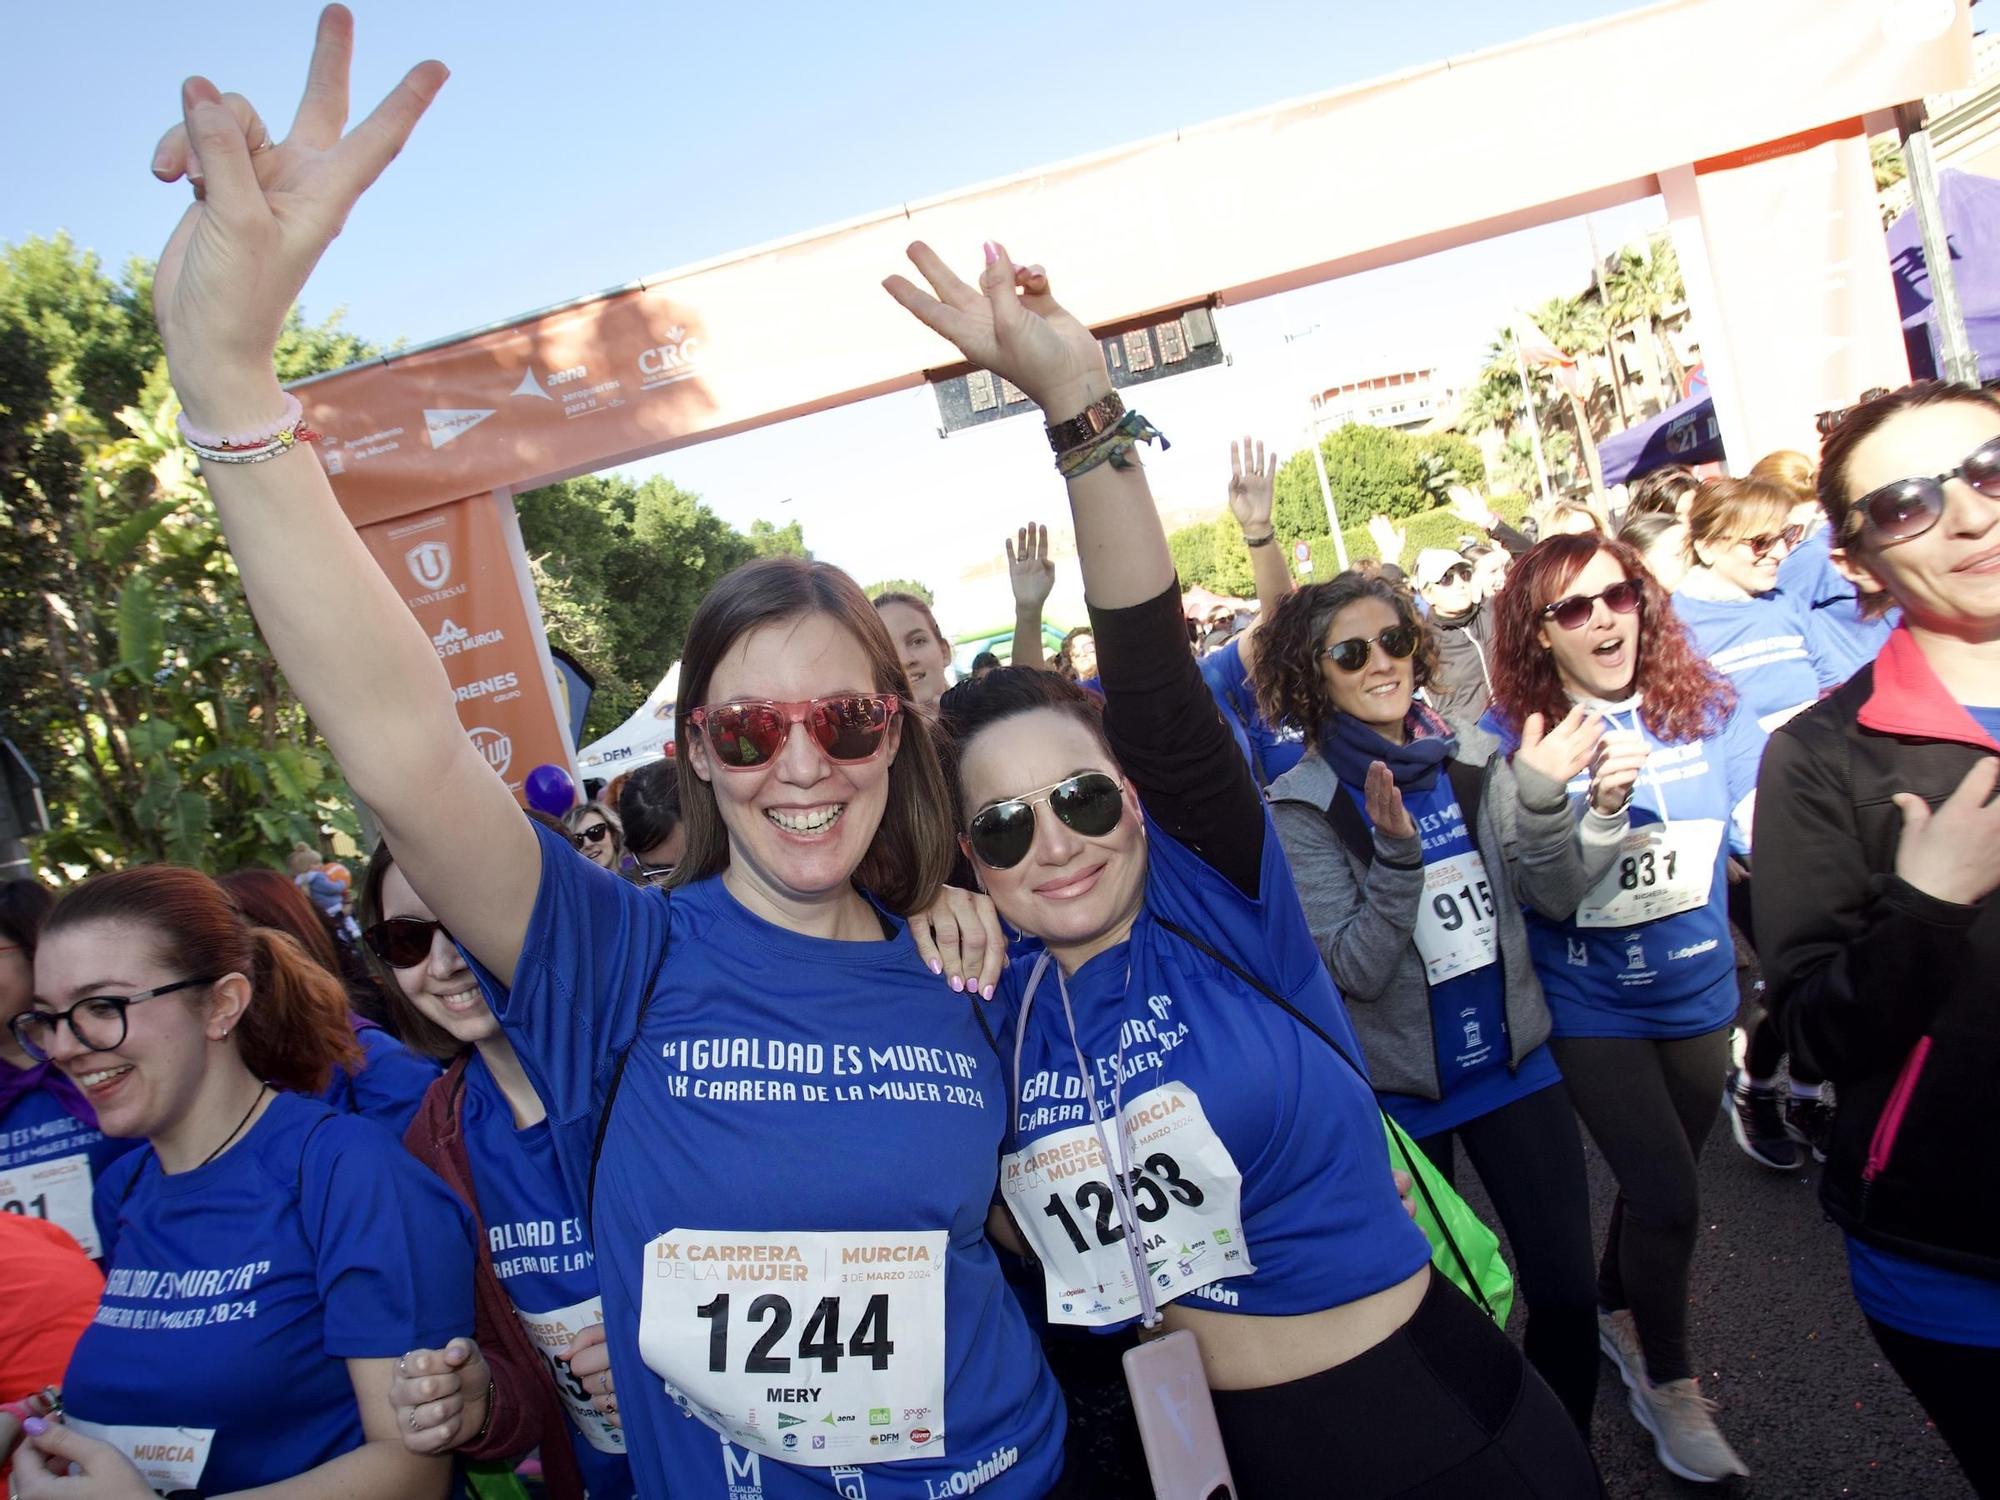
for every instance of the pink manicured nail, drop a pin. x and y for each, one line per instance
(34, 1427)
(987, 993)
(936, 967)
(992, 252)
(957, 984)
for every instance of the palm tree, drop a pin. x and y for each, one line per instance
(1572, 325)
(1645, 286)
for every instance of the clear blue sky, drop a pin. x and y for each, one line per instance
(580, 145)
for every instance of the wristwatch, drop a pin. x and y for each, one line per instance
(1094, 420)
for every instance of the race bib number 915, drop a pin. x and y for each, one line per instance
(821, 1349)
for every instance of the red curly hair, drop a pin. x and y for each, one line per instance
(1683, 698)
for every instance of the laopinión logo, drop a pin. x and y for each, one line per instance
(498, 748)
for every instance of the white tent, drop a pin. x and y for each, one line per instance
(641, 739)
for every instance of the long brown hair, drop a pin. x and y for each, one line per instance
(1683, 698)
(411, 1026)
(911, 852)
(1291, 688)
(295, 1029)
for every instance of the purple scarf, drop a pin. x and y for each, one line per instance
(18, 1083)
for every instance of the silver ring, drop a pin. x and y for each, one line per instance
(267, 144)
(603, 1382)
(413, 1420)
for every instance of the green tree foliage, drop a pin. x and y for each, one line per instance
(130, 669)
(900, 586)
(1211, 553)
(620, 568)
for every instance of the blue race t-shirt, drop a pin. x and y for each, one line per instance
(1843, 639)
(1273, 751)
(1320, 1219)
(1988, 719)
(818, 1124)
(1665, 976)
(50, 1163)
(1760, 644)
(542, 1258)
(390, 1084)
(1928, 1301)
(1469, 1010)
(236, 1292)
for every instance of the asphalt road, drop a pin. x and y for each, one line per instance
(1806, 1398)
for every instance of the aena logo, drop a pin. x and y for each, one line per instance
(429, 563)
(498, 748)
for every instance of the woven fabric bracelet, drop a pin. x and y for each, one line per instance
(1114, 446)
(259, 437)
(290, 438)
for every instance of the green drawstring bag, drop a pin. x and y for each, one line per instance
(1463, 1250)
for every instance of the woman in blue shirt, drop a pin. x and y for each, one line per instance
(485, 1131)
(1165, 1006)
(779, 1128)
(1629, 807)
(267, 1258)
(1398, 855)
(51, 1151)
(1740, 531)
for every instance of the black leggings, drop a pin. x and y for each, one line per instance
(1955, 1383)
(1530, 1159)
(1649, 1105)
(1443, 1408)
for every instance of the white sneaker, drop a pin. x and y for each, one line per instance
(1685, 1437)
(1618, 1337)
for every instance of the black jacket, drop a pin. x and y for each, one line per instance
(1893, 992)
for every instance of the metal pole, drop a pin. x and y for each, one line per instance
(1326, 494)
(1534, 427)
(1955, 352)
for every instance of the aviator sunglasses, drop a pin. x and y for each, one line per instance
(402, 942)
(1573, 613)
(1352, 655)
(1909, 507)
(750, 733)
(1091, 803)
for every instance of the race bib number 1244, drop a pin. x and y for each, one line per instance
(819, 1348)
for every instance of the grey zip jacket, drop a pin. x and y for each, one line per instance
(1364, 917)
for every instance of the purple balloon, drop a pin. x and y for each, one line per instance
(550, 790)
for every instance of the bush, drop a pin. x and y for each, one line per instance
(1434, 528)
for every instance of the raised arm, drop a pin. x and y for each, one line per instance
(1163, 725)
(1032, 574)
(263, 214)
(1251, 479)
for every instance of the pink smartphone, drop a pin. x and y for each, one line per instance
(1177, 1420)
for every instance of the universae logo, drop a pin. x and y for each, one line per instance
(429, 563)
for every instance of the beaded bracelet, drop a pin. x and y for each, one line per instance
(255, 438)
(1113, 446)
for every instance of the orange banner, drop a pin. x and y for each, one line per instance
(454, 565)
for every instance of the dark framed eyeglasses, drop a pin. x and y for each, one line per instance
(596, 833)
(1574, 612)
(98, 1023)
(749, 733)
(1761, 546)
(651, 874)
(1399, 641)
(1906, 509)
(403, 942)
(1000, 835)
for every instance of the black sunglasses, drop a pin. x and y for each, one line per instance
(402, 942)
(651, 874)
(1573, 613)
(1399, 641)
(1458, 573)
(1910, 507)
(98, 1023)
(1090, 802)
(594, 834)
